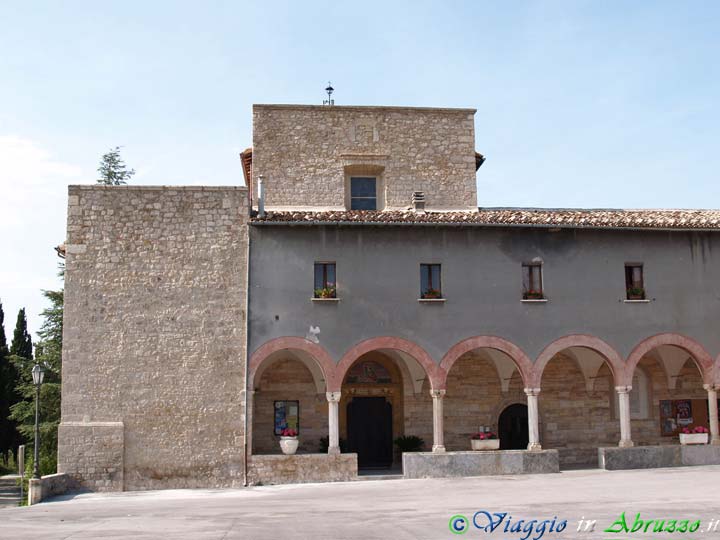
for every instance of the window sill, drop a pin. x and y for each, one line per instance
(431, 299)
(533, 300)
(646, 301)
(325, 299)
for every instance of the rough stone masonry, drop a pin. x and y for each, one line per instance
(154, 339)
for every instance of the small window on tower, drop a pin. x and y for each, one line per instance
(363, 193)
(634, 281)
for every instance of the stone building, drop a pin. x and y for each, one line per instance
(356, 292)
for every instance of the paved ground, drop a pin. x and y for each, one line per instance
(389, 509)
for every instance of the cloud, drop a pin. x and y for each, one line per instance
(33, 202)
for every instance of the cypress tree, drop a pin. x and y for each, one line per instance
(8, 377)
(22, 341)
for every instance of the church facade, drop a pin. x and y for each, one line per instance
(355, 293)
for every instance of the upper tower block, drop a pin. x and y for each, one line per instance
(364, 158)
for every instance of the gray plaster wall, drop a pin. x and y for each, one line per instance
(378, 282)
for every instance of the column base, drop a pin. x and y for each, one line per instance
(626, 444)
(715, 442)
(534, 447)
(438, 448)
(334, 450)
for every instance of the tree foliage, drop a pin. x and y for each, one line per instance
(112, 169)
(48, 353)
(9, 436)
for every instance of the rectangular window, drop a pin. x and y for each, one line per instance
(363, 193)
(532, 281)
(287, 416)
(634, 283)
(430, 286)
(325, 284)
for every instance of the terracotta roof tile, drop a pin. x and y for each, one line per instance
(570, 218)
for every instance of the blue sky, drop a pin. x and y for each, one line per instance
(580, 104)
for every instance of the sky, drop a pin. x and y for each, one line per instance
(579, 104)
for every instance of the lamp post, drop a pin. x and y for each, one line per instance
(38, 374)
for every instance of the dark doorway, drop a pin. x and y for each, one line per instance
(369, 427)
(513, 427)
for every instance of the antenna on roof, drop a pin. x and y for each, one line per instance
(329, 90)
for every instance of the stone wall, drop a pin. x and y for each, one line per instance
(487, 462)
(48, 486)
(91, 453)
(154, 335)
(302, 468)
(306, 153)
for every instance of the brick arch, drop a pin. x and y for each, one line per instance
(316, 352)
(612, 358)
(386, 342)
(697, 352)
(516, 354)
(716, 370)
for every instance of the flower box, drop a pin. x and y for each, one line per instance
(485, 444)
(289, 445)
(693, 438)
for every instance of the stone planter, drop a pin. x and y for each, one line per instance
(485, 444)
(289, 445)
(694, 438)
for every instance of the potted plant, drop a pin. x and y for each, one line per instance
(484, 440)
(533, 295)
(636, 293)
(289, 441)
(409, 443)
(326, 292)
(431, 293)
(696, 435)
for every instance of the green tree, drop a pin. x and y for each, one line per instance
(22, 342)
(112, 169)
(9, 436)
(48, 353)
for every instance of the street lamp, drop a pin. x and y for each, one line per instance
(38, 374)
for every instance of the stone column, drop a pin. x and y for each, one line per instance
(712, 404)
(624, 401)
(533, 419)
(438, 428)
(333, 422)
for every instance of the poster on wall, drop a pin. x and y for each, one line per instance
(287, 416)
(684, 412)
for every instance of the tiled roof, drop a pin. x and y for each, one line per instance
(527, 217)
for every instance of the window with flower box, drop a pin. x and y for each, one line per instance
(325, 285)
(430, 286)
(532, 281)
(634, 281)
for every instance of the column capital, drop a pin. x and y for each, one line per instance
(437, 393)
(623, 389)
(711, 387)
(532, 391)
(333, 397)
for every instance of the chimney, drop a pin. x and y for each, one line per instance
(261, 197)
(418, 200)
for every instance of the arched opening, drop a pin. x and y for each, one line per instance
(476, 382)
(372, 409)
(287, 381)
(287, 394)
(667, 392)
(577, 376)
(513, 427)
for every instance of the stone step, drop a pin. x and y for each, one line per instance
(9, 491)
